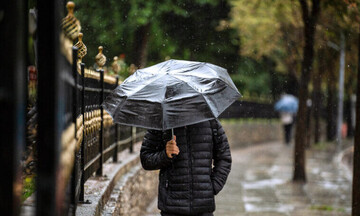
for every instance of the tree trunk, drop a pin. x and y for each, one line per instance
(317, 107)
(331, 104)
(309, 111)
(356, 167)
(341, 93)
(317, 99)
(142, 35)
(293, 82)
(306, 68)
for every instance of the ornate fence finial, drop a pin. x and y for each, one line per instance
(100, 58)
(71, 25)
(115, 65)
(132, 69)
(82, 50)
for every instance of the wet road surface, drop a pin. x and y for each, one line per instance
(260, 185)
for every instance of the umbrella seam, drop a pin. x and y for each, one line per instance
(169, 61)
(145, 86)
(222, 79)
(197, 92)
(127, 96)
(155, 128)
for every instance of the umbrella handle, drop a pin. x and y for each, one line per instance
(172, 137)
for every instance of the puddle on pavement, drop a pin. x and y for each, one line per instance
(334, 185)
(315, 170)
(263, 183)
(252, 199)
(255, 174)
(251, 207)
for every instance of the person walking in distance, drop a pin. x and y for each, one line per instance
(287, 119)
(194, 166)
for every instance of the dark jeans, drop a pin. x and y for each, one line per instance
(287, 129)
(170, 214)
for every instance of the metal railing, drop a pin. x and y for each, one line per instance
(99, 139)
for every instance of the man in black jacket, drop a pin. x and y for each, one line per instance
(193, 167)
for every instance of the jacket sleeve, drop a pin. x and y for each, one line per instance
(222, 159)
(152, 154)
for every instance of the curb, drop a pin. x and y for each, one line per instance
(99, 189)
(342, 165)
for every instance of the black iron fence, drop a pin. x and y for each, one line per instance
(97, 138)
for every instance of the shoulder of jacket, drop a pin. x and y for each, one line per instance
(154, 132)
(215, 123)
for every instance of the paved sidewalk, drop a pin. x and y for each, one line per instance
(260, 185)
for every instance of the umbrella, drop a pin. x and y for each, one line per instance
(172, 94)
(287, 103)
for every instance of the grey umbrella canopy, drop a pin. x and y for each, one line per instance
(172, 94)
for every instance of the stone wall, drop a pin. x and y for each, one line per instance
(124, 189)
(242, 133)
(137, 191)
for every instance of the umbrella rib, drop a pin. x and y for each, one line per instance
(167, 63)
(117, 107)
(197, 92)
(145, 86)
(229, 84)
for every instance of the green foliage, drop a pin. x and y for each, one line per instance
(197, 36)
(191, 30)
(253, 77)
(259, 24)
(28, 187)
(258, 79)
(327, 208)
(179, 29)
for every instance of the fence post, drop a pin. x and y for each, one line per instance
(133, 139)
(13, 35)
(50, 107)
(74, 177)
(82, 182)
(101, 141)
(115, 157)
(74, 93)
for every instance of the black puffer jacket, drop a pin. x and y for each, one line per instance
(188, 183)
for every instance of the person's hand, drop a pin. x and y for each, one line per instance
(172, 148)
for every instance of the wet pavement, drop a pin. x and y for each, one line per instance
(260, 185)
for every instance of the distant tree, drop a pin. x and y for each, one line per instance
(155, 29)
(199, 34)
(354, 6)
(332, 22)
(309, 18)
(271, 30)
